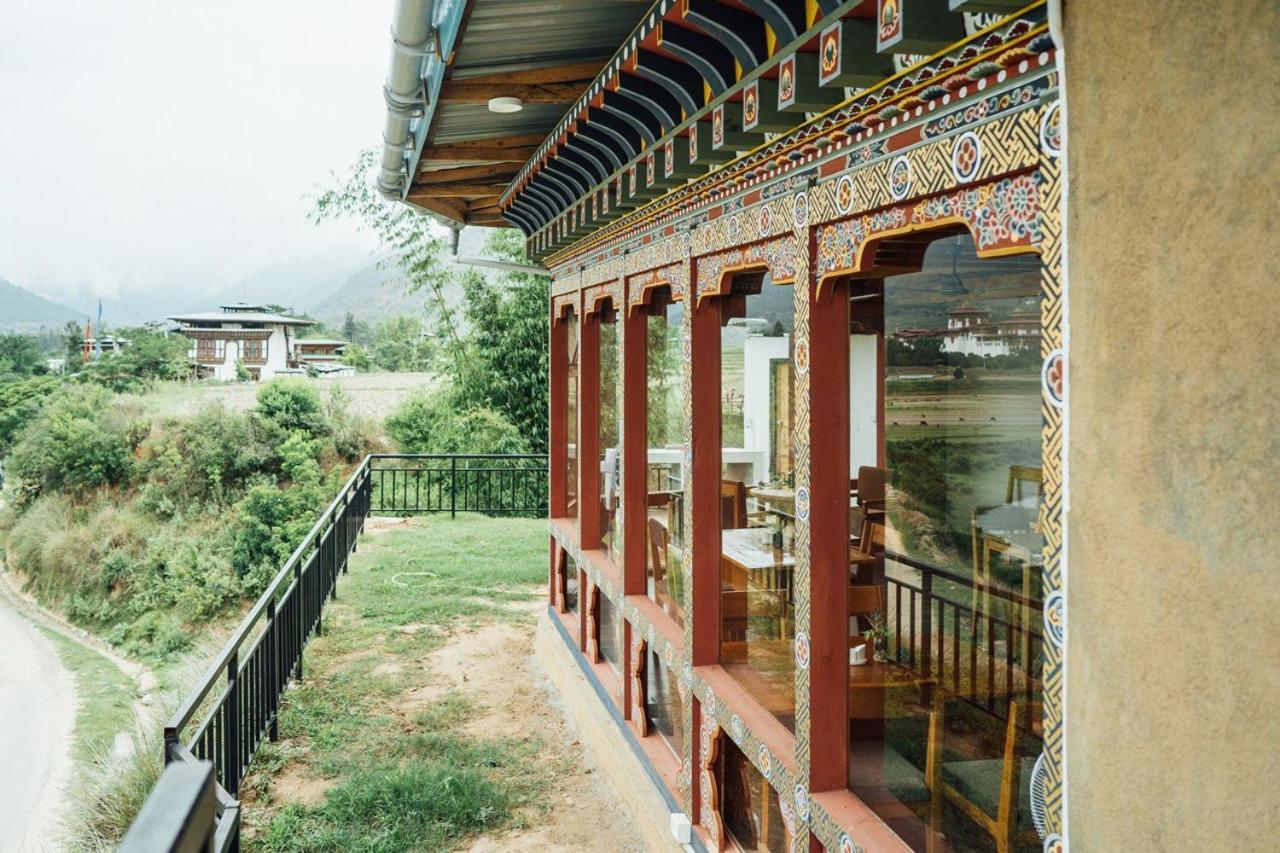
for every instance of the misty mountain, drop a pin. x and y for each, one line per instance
(298, 283)
(23, 311)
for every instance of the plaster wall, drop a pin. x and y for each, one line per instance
(1174, 450)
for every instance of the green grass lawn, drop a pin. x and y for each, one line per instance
(395, 774)
(105, 695)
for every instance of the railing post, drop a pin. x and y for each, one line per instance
(453, 487)
(299, 613)
(273, 671)
(231, 730)
(926, 627)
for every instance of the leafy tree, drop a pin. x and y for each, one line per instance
(440, 422)
(20, 356)
(357, 356)
(399, 345)
(150, 356)
(20, 403)
(507, 359)
(73, 341)
(76, 444)
(410, 236)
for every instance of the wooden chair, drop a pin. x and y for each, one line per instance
(864, 599)
(868, 489)
(969, 784)
(1019, 474)
(657, 553)
(733, 504)
(870, 546)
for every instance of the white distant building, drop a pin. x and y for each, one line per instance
(322, 356)
(970, 331)
(262, 342)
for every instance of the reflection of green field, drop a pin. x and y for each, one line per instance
(986, 425)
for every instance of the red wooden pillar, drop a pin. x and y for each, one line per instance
(635, 448)
(829, 539)
(589, 433)
(704, 538)
(557, 457)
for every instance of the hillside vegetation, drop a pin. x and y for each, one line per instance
(22, 310)
(144, 528)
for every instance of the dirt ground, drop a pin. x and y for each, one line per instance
(488, 662)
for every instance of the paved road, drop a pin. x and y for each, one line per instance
(37, 719)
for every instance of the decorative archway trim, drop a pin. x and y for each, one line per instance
(1005, 217)
(640, 287)
(561, 305)
(593, 298)
(776, 256)
(709, 749)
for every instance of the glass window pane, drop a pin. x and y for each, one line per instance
(609, 639)
(748, 804)
(610, 463)
(757, 493)
(665, 481)
(571, 584)
(571, 412)
(946, 550)
(664, 703)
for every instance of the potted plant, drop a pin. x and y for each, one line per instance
(877, 636)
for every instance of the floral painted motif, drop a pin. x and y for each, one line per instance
(802, 650)
(1055, 617)
(735, 726)
(802, 802)
(717, 126)
(846, 194)
(801, 358)
(846, 844)
(889, 20)
(900, 178)
(801, 209)
(631, 173)
(1051, 130)
(764, 760)
(693, 144)
(649, 168)
(751, 105)
(966, 157)
(802, 504)
(829, 53)
(669, 158)
(778, 255)
(1053, 377)
(1003, 214)
(787, 82)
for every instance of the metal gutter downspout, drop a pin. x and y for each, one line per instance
(412, 40)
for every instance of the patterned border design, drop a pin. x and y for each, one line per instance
(778, 256)
(1012, 204)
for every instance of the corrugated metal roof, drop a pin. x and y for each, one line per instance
(501, 36)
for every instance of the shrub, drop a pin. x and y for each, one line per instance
(74, 445)
(291, 405)
(204, 459)
(270, 523)
(20, 404)
(438, 423)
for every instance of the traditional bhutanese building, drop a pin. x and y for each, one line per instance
(241, 335)
(795, 605)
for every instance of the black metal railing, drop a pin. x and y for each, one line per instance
(492, 484)
(235, 705)
(983, 646)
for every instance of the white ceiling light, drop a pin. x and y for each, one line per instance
(505, 105)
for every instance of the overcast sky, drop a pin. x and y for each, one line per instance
(170, 143)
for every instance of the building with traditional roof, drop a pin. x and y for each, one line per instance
(238, 336)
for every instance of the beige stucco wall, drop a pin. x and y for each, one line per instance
(1174, 543)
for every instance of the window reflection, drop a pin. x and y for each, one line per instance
(945, 549)
(757, 492)
(571, 412)
(570, 584)
(748, 804)
(610, 636)
(610, 464)
(665, 481)
(664, 703)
